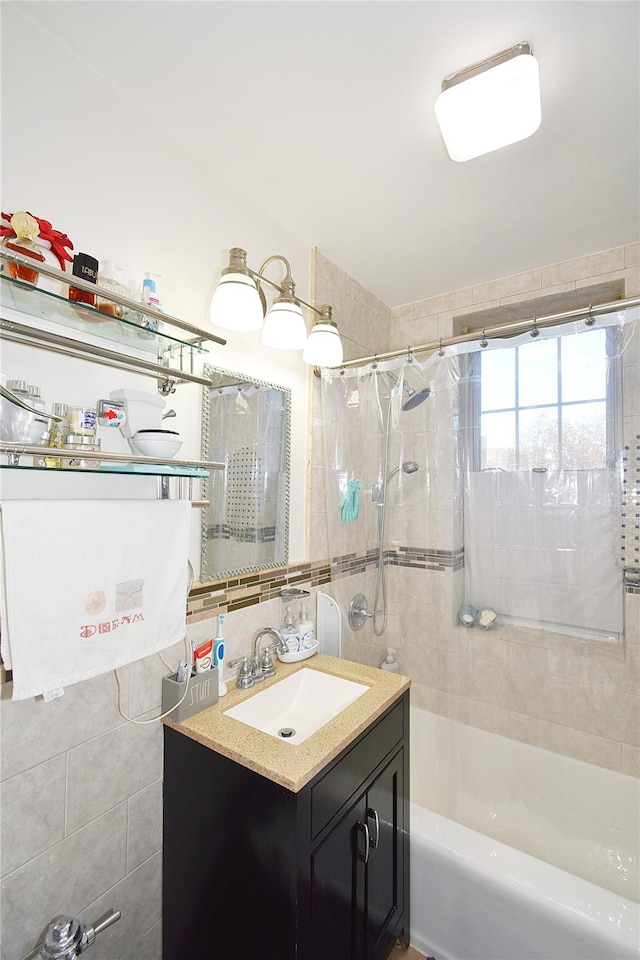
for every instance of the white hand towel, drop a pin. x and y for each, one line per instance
(88, 586)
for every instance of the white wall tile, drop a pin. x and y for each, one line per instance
(120, 763)
(33, 731)
(144, 825)
(63, 880)
(33, 804)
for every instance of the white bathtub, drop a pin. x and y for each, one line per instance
(473, 897)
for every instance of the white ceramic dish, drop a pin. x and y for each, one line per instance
(163, 444)
(303, 654)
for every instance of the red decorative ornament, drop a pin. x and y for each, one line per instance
(57, 239)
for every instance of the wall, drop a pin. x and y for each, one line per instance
(81, 788)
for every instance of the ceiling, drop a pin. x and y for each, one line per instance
(322, 113)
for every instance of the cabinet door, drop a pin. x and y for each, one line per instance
(338, 889)
(385, 868)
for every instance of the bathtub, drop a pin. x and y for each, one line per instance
(475, 896)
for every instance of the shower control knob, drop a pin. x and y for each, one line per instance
(359, 612)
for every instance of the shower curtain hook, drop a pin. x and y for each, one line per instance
(440, 351)
(534, 332)
(374, 364)
(409, 354)
(589, 319)
(484, 342)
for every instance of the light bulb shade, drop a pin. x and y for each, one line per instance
(236, 304)
(324, 346)
(491, 108)
(284, 326)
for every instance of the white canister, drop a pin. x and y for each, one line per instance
(82, 421)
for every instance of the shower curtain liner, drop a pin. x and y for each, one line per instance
(544, 542)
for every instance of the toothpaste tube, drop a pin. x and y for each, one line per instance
(202, 656)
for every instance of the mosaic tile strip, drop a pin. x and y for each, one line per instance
(223, 596)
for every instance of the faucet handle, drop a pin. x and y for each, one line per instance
(245, 678)
(268, 667)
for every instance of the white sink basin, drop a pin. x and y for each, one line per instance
(301, 703)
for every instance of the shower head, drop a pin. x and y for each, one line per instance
(409, 466)
(415, 397)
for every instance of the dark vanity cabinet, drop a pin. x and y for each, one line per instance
(253, 870)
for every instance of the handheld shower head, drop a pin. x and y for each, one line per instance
(409, 466)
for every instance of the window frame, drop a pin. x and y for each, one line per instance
(612, 400)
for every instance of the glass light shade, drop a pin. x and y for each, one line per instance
(284, 327)
(236, 304)
(324, 346)
(497, 107)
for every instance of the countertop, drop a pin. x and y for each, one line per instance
(293, 765)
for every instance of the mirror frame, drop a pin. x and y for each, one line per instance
(210, 371)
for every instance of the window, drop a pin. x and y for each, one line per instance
(544, 404)
(540, 491)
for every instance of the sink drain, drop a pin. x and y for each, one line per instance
(286, 732)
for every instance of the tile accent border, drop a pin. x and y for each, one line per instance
(206, 600)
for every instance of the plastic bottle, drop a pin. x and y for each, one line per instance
(389, 663)
(289, 631)
(108, 278)
(306, 630)
(151, 298)
(218, 655)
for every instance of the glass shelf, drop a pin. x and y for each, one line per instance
(130, 331)
(111, 462)
(130, 469)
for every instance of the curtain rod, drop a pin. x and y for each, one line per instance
(506, 329)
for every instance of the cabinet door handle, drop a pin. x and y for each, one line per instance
(364, 829)
(373, 814)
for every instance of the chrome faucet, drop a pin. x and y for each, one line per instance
(66, 937)
(263, 669)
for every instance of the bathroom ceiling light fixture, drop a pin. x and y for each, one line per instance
(490, 104)
(239, 303)
(324, 346)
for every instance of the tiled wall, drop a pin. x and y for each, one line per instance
(574, 696)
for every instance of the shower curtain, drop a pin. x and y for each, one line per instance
(538, 540)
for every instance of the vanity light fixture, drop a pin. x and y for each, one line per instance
(239, 303)
(324, 346)
(490, 104)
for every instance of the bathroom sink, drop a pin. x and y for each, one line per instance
(294, 708)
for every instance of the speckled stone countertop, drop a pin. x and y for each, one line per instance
(293, 765)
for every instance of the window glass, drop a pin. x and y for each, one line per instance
(584, 436)
(498, 440)
(538, 440)
(584, 366)
(538, 373)
(498, 379)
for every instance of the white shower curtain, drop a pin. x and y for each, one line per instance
(541, 544)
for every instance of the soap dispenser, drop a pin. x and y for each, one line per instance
(289, 631)
(389, 663)
(306, 631)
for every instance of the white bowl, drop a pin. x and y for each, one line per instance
(162, 444)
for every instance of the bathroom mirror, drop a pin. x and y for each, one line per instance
(246, 424)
